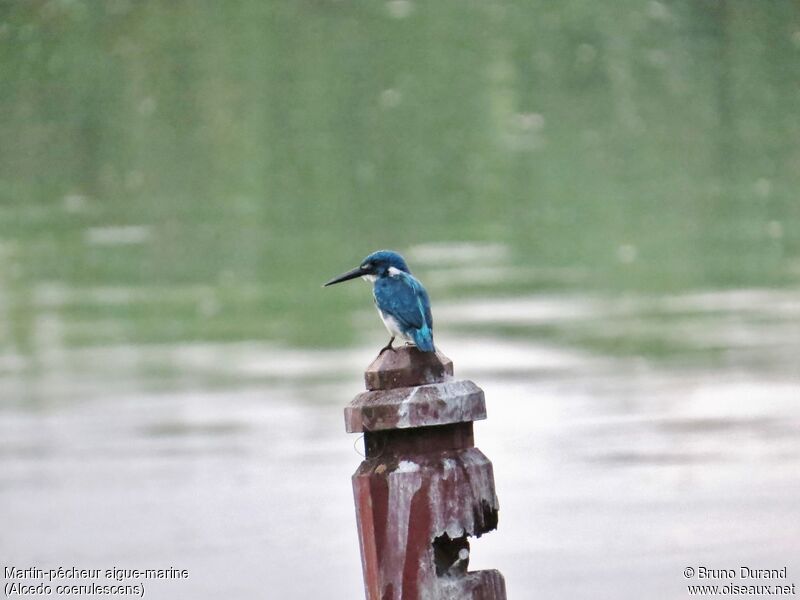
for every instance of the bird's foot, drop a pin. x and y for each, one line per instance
(388, 347)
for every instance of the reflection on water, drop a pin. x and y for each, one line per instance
(600, 197)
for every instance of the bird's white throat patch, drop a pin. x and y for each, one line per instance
(370, 278)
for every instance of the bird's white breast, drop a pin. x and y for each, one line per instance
(392, 325)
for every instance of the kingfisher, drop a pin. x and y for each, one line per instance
(401, 299)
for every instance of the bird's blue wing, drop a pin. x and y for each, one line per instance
(404, 298)
(425, 303)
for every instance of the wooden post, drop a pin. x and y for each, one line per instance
(423, 488)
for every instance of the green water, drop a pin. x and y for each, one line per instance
(242, 153)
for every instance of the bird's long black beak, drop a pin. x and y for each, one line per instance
(357, 272)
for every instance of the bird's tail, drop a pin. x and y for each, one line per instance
(423, 338)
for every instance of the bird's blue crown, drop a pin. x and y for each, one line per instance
(379, 263)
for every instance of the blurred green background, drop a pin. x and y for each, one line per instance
(601, 198)
(219, 160)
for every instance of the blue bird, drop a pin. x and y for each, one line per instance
(402, 302)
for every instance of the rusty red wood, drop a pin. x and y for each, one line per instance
(407, 366)
(423, 489)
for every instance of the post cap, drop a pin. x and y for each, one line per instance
(407, 366)
(418, 406)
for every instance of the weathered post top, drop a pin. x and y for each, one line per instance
(423, 488)
(408, 388)
(407, 366)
